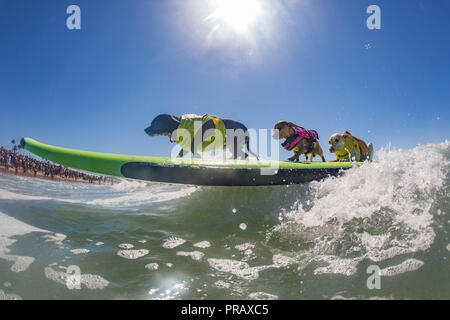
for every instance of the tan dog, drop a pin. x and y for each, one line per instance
(347, 147)
(298, 140)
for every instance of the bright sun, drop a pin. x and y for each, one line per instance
(239, 15)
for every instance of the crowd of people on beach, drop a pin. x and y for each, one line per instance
(22, 164)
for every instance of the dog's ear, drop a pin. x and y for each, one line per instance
(293, 125)
(347, 134)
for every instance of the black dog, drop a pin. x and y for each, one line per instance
(165, 125)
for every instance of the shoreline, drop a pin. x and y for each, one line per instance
(41, 175)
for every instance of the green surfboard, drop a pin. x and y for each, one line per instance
(186, 170)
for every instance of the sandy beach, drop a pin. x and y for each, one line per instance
(41, 175)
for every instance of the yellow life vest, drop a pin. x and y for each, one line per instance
(192, 123)
(346, 153)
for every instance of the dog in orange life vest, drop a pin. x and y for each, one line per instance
(298, 140)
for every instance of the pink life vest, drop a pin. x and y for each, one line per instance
(301, 133)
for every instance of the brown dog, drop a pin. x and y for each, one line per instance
(347, 147)
(298, 140)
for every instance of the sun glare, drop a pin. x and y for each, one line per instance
(239, 15)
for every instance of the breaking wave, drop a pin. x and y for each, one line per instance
(152, 240)
(377, 211)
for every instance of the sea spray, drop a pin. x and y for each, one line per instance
(377, 211)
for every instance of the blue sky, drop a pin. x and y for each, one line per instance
(305, 61)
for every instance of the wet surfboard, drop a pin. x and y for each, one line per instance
(186, 170)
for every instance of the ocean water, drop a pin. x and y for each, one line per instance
(138, 240)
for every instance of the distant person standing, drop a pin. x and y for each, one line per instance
(16, 164)
(7, 162)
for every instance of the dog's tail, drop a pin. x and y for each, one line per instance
(247, 144)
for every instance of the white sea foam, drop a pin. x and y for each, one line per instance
(244, 246)
(138, 193)
(79, 251)
(335, 265)
(8, 195)
(125, 193)
(222, 284)
(126, 246)
(9, 296)
(10, 227)
(262, 296)
(90, 281)
(195, 255)
(202, 244)
(153, 291)
(131, 185)
(405, 266)
(238, 268)
(173, 242)
(377, 211)
(20, 263)
(390, 182)
(152, 266)
(132, 254)
(94, 281)
(280, 261)
(57, 238)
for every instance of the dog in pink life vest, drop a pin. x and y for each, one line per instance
(298, 140)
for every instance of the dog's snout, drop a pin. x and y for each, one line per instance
(148, 130)
(276, 134)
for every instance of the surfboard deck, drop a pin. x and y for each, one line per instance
(188, 171)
